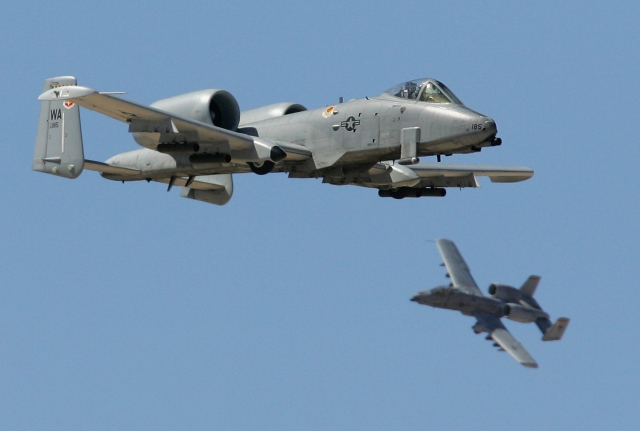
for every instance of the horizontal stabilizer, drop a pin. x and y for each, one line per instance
(105, 168)
(556, 331)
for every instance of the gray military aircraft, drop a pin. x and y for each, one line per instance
(505, 301)
(198, 140)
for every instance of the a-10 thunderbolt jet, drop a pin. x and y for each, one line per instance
(198, 140)
(505, 301)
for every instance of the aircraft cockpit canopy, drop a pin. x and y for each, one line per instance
(424, 90)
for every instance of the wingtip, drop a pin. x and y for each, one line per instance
(530, 364)
(440, 241)
(66, 92)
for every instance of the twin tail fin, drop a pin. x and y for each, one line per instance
(549, 332)
(59, 149)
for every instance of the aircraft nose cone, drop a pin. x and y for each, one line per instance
(489, 126)
(415, 298)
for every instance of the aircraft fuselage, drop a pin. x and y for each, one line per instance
(198, 140)
(371, 130)
(454, 299)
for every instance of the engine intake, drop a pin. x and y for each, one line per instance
(270, 111)
(215, 107)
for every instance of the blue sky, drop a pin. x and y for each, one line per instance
(126, 307)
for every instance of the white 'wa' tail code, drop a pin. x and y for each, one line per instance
(58, 148)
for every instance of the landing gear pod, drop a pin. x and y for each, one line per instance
(261, 169)
(58, 148)
(212, 189)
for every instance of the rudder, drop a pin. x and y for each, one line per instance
(59, 149)
(529, 286)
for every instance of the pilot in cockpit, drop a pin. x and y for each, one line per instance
(417, 91)
(424, 90)
(408, 91)
(431, 93)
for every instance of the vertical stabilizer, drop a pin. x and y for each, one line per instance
(529, 286)
(58, 148)
(556, 331)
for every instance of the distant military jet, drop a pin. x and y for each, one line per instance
(198, 140)
(505, 301)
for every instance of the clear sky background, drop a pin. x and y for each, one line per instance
(126, 307)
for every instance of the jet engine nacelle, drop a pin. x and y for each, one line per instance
(522, 314)
(215, 107)
(270, 111)
(505, 293)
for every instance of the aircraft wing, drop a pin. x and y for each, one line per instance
(436, 175)
(504, 339)
(143, 118)
(445, 175)
(457, 267)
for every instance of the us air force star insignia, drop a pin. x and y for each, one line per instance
(68, 104)
(350, 124)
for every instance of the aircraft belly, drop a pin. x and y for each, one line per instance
(488, 305)
(365, 156)
(469, 304)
